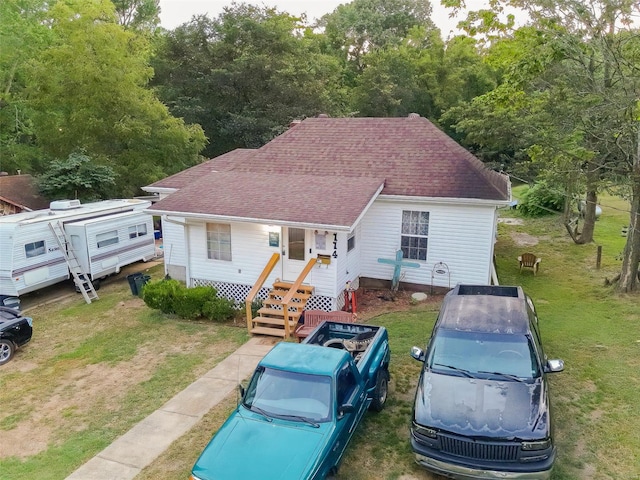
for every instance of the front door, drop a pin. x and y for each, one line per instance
(295, 247)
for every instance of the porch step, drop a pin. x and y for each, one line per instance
(272, 302)
(274, 312)
(274, 332)
(286, 286)
(297, 295)
(258, 321)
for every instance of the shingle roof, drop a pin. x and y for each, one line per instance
(278, 198)
(411, 154)
(21, 191)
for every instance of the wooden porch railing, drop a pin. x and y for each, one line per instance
(294, 288)
(258, 285)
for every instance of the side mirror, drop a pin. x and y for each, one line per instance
(344, 409)
(417, 354)
(241, 390)
(554, 366)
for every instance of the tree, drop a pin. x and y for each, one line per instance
(578, 95)
(88, 91)
(77, 177)
(23, 34)
(245, 75)
(138, 14)
(362, 26)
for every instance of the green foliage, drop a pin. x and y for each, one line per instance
(161, 295)
(541, 199)
(219, 309)
(171, 296)
(77, 177)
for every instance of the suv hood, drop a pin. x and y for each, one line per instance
(483, 408)
(252, 447)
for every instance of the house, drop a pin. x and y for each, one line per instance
(327, 204)
(18, 193)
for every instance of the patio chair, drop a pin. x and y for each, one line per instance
(529, 260)
(313, 318)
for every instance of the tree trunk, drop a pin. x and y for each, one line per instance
(631, 256)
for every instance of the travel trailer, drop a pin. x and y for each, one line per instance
(87, 242)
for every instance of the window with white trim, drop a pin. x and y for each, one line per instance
(34, 249)
(138, 230)
(107, 238)
(415, 234)
(351, 241)
(219, 241)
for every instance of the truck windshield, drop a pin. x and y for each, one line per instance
(482, 355)
(282, 394)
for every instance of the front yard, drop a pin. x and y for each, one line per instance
(93, 371)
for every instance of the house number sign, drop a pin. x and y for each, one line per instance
(335, 246)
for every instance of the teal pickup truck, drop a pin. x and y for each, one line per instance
(301, 407)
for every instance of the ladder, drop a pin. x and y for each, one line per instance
(81, 279)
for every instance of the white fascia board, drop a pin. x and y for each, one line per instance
(159, 190)
(261, 221)
(445, 201)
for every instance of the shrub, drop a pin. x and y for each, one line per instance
(171, 296)
(219, 309)
(541, 199)
(161, 295)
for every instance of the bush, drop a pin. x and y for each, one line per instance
(219, 309)
(541, 199)
(171, 296)
(161, 295)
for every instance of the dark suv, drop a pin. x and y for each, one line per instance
(482, 404)
(15, 331)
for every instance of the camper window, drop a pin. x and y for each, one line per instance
(138, 230)
(34, 249)
(107, 238)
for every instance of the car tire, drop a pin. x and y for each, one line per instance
(7, 349)
(381, 391)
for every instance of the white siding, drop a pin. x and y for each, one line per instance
(462, 237)
(173, 243)
(250, 252)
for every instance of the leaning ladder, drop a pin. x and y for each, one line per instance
(81, 279)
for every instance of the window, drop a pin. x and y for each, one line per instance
(219, 241)
(415, 232)
(107, 238)
(34, 249)
(351, 242)
(346, 384)
(138, 230)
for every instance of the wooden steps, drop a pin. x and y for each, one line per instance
(270, 319)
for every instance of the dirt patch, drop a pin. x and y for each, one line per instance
(372, 303)
(524, 239)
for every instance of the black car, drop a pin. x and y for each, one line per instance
(15, 331)
(482, 404)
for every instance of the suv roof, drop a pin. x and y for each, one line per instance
(485, 308)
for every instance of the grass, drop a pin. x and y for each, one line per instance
(593, 329)
(91, 372)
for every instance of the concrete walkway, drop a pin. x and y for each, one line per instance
(146, 441)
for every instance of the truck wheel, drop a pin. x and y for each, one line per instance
(7, 348)
(381, 391)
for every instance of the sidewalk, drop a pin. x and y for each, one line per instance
(140, 446)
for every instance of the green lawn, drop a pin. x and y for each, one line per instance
(93, 371)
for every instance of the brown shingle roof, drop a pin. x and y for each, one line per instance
(279, 198)
(21, 191)
(411, 154)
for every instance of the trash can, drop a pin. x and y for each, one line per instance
(140, 281)
(133, 282)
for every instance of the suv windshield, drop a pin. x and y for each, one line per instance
(482, 355)
(289, 395)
